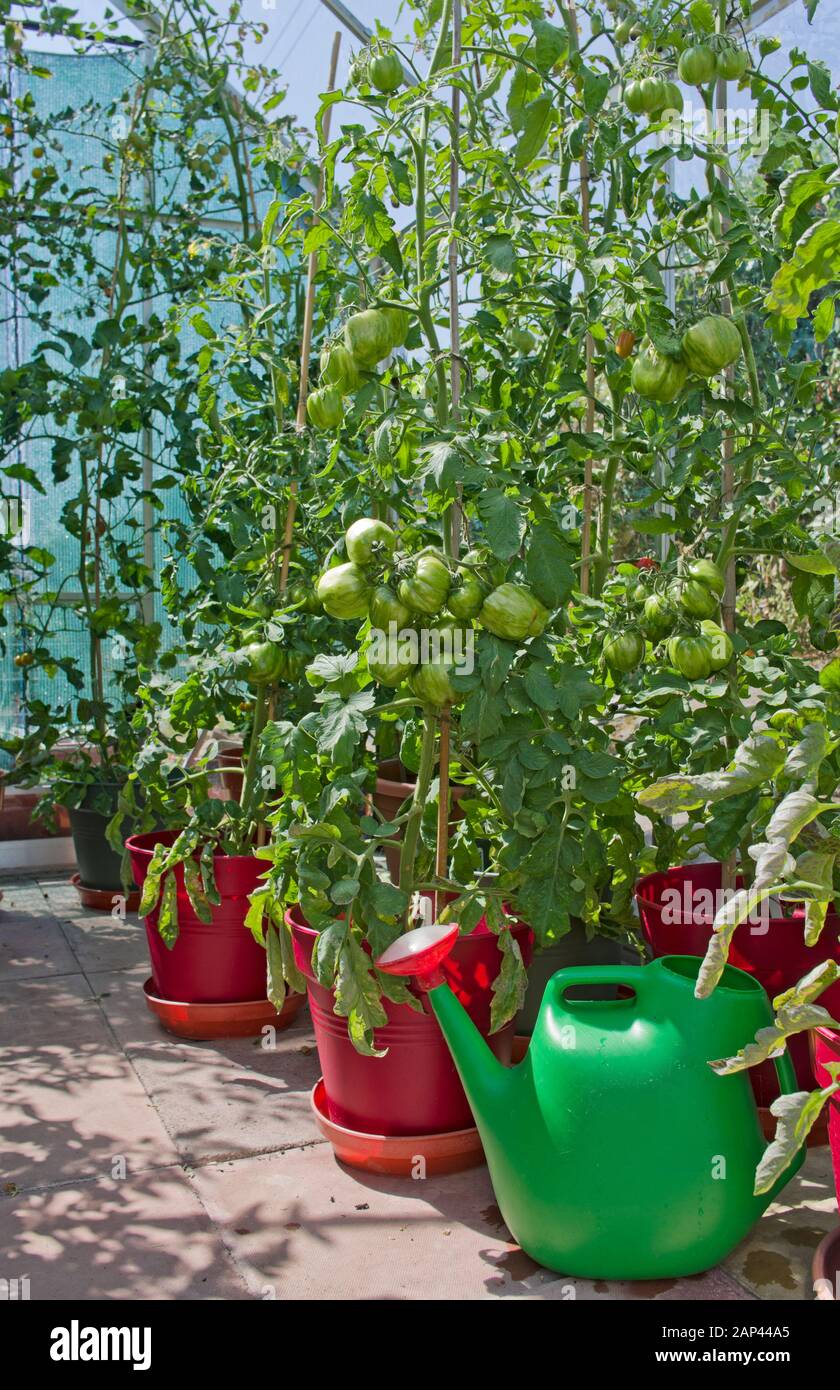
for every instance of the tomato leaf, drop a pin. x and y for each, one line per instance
(536, 123)
(504, 524)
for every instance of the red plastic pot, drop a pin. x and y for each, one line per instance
(415, 1089)
(826, 1043)
(773, 951)
(216, 962)
(231, 770)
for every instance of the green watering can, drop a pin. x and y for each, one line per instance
(614, 1149)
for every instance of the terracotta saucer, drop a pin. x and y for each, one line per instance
(103, 899)
(205, 1022)
(397, 1155)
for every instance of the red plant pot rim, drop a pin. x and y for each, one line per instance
(396, 1155)
(831, 1035)
(143, 846)
(793, 912)
(295, 919)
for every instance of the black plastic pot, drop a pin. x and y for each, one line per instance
(572, 949)
(99, 864)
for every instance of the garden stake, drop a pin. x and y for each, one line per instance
(306, 338)
(442, 854)
(456, 519)
(586, 528)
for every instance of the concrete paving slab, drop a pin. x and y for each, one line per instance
(72, 1105)
(264, 1210)
(234, 1096)
(32, 944)
(100, 939)
(21, 895)
(775, 1259)
(101, 942)
(142, 1238)
(302, 1226)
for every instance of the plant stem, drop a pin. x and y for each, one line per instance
(408, 853)
(261, 704)
(602, 555)
(420, 147)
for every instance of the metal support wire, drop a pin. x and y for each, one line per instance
(762, 11)
(349, 20)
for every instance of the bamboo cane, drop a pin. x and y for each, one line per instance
(456, 519)
(727, 494)
(306, 339)
(586, 527)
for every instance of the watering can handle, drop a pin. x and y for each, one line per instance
(786, 1073)
(629, 975)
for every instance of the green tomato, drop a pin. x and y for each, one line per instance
(708, 573)
(652, 95)
(466, 596)
(431, 684)
(399, 322)
(292, 664)
(692, 656)
(338, 369)
(305, 596)
(624, 31)
(624, 651)
(324, 408)
(672, 97)
(367, 337)
(385, 608)
(658, 617)
(657, 377)
(697, 65)
(731, 64)
(720, 644)
(368, 539)
(391, 673)
(513, 613)
(489, 571)
(343, 591)
(385, 72)
(633, 98)
(262, 663)
(711, 345)
(694, 598)
(523, 340)
(426, 587)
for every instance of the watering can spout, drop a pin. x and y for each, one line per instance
(420, 954)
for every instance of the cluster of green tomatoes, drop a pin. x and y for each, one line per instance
(379, 67)
(681, 618)
(411, 594)
(262, 663)
(707, 348)
(369, 336)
